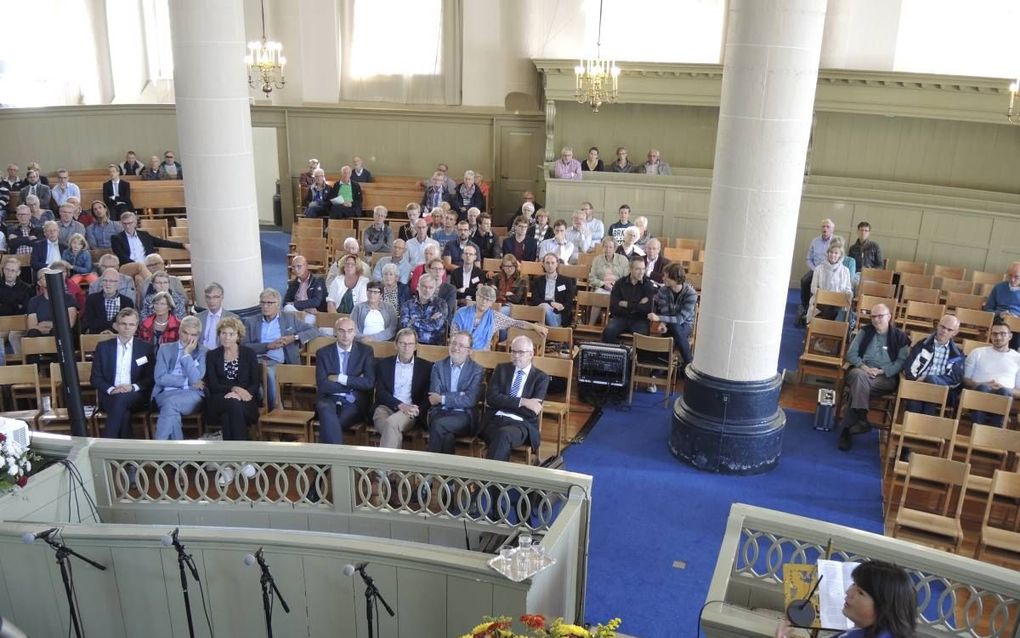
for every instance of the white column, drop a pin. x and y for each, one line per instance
(215, 147)
(769, 78)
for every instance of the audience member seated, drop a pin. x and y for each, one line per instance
(348, 289)
(232, 382)
(394, 292)
(592, 162)
(378, 238)
(865, 252)
(511, 286)
(567, 167)
(436, 192)
(409, 230)
(426, 314)
(66, 224)
(452, 249)
(316, 199)
(833, 276)
(305, 292)
(345, 197)
(622, 163)
(131, 246)
(80, 258)
(630, 302)
(1004, 299)
(161, 283)
(351, 248)
(482, 321)
(14, 297)
(579, 233)
(468, 194)
(70, 287)
(654, 165)
(63, 189)
(307, 178)
(455, 386)
(607, 267)
(559, 245)
(629, 247)
(401, 391)
(541, 230)
(936, 359)
(170, 168)
(514, 403)
(179, 380)
(616, 228)
(275, 336)
(816, 256)
(487, 241)
(40, 214)
(554, 293)
(117, 192)
(876, 356)
(21, 235)
(131, 165)
(127, 284)
(9, 183)
(521, 244)
(374, 319)
(641, 223)
(448, 232)
(654, 261)
(102, 228)
(35, 188)
(40, 314)
(467, 278)
(398, 258)
(102, 308)
(47, 250)
(527, 213)
(472, 219)
(345, 378)
(674, 309)
(416, 244)
(34, 166)
(122, 375)
(77, 214)
(594, 224)
(446, 291)
(432, 250)
(994, 368)
(213, 315)
(359, 173)
(154, 170)
(162, 325)
(448, 182)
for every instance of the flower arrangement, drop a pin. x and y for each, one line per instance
(501, 627)
(15, 463)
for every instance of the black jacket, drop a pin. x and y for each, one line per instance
(385, 375)
(316, 294)
(565, 292)
(14, 299)
(94, 320)
(119, 244)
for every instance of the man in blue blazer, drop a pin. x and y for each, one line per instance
(514, 398)
(179, 387)
(344, 376)
(48, 249)
(275, 336)
(401, 393)
(454, 389)
(122, 375)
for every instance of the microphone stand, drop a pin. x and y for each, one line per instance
(268, 589)
(372, 599)
(184, 558)
(63, 559)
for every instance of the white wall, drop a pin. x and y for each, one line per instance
(267, 170)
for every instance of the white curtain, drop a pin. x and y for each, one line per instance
(402, 51)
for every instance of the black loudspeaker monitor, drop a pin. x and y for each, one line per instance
(604, 364)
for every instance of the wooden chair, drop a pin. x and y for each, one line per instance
(492, 264)
(585, 329)
(531, 268)
(23, 376)
(381, 349)
(981, 277)
(974, 324)
(919, 315)
(336, 237)
(877, 288)
(155, 227)
(339, 223)
(13, 323)
(57, 420)
(956, 300)
(984, 289)
(577, 272)
(924, 295)
(536, 339)
(327, 319)
(659, 357)
(286, 419)
(1007, 486)
(917, 280)
(834, 299)
(960, 286)
(933, 432)
(909, 390)
(948, 272)
(90, 342)
(939, 526)
(557, 406)
(560, 342)
(432, 353)
(39, 346)
(534, 314)
(313, 346)
(877, 275)
(693, 244)
(682, 255)
(989, 449)
(987, 402)
(969, 345)
(914, 267)
(866, 302)
(824, 346)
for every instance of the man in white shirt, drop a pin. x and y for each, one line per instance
(580, 233)
(401, 391)
(48, 249)
(122, 375)
(559, 245)
(416, 245)
(994, 369)
(212, 315)
(398, 258)
(64, 188)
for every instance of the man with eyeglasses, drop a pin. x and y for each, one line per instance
(33, 186)
(101, 308)
(276, 336)
(454, 389)
(170, 168)
(426, 314)
(64, 188)
(212, 315)
(466, 279)
(936, 359)
(1005, 298)
(514, 401)
(305, 292)
(179, 388)
(994, 369)
(876, 357)
(622, 163)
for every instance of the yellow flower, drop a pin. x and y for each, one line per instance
(571, 631)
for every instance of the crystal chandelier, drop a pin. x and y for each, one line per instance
(265, 62)
(1013, 113)
(597, 80)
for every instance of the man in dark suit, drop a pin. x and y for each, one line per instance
(34, 186)
(514, 399)
(521, 244)
(47, 250)
(345, 376)
(554, 293)
(122, 375)
(469, 276)
(401, 392)
(654, 261)
(117, 192)
(102, 308)
(344, 197)
(132, 245)
(454, 389)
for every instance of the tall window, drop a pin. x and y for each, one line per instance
(156, 21)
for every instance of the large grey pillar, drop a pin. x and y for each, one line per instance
(728, 419)
(215, 146)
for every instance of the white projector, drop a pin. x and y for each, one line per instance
(15, 430)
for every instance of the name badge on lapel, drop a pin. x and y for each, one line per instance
(561, 287)
(141, 361)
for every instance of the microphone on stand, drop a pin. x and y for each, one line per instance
(349, 569)
(28, 537)
(251, 559)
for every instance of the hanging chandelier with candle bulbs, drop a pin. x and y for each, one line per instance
(265, 62)
(597, 80)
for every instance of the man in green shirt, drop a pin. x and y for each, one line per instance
(344, 197)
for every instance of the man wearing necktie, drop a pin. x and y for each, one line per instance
(345, 377)
(212, 315)
(514, 400)
(454, 389)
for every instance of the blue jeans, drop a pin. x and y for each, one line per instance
(552, 319)
(173, 405)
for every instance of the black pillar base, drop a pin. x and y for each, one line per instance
(728, 427)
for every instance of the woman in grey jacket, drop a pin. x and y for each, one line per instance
(375, 319)
(674, 306)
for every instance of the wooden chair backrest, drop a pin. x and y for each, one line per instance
(985, 402)
(696, 244)
(877, 288)
(949, 272)
(328, 319)
(1006, 484)
(314, 345)
(950, 286)
(878, 275)
(561, 335)
(14, 322)
(977, 320)
(340, 223)
(577, 272)
(917, 280)
(915, 267)
(89, 343)
(970, 344)
(382, 349)
(683, 255)
(489, 359)
(919, 391)
(921, 311)
(867, 302)
(536, 339)
(19, 374)
(981, 277)
(965, 300)
(999, 441)
(534, 314)
(531, 268)
(926, 295)
(832, 298)
(931, 427)
(38, 345)
(652, 344)
(432, 353)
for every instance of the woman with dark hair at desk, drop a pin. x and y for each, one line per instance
(882, 603)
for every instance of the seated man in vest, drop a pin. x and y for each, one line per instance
(994, 368)
(876, 357)
(935, 359)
